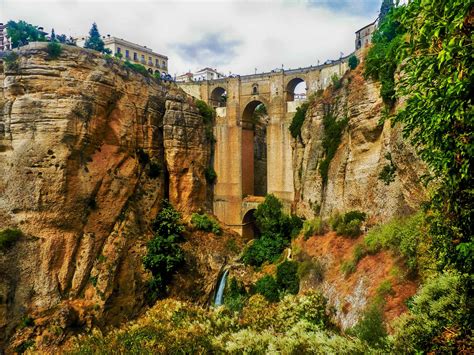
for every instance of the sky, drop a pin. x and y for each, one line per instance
(232, 36)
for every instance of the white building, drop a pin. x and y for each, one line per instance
(200, 75)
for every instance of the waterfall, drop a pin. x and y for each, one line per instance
(220, 289)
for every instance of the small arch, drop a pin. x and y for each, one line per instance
(157, 72)
(296, 90)
(150, 70)
(249, 226)
(219, 97)
(255, 89)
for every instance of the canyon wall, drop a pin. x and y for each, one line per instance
(88, 149)
(367, 147)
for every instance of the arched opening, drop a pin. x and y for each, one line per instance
(157, 72)
(218, 97)
(249, 227)
(254, 149)
(255, 89)
(296, 90)
(150, 70)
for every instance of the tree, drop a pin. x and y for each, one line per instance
(53, 35)
(437, 116)
(353, 62)
(21, 33)
(164, 255)
(385, 8)
(94, 41)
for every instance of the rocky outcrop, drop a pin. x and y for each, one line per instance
(367, 147)
(88, 149)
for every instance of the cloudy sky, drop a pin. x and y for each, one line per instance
(238, 36)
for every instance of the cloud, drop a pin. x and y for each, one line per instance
(235, 36)
(211, 48)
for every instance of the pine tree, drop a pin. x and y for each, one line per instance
(384, 9)
(53, 35)
(94, 41)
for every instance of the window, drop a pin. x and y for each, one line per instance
(157, 62)
(118, 50)
(127, 53)
(135, 56)
(254, 89)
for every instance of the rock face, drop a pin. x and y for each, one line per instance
(88, 149)
(366, 148)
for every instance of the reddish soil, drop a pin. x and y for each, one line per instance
(375, 268)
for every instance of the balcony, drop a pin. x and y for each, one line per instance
(142, 61)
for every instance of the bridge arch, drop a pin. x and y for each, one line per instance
(218, 97)
(296, 89)
(254, 149)
(249, 226)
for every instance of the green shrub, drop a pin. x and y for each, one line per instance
(312, 266)
(402, 236)
(207, 112)
(11, 61)
(164, 255)
(349, 224)
(205, 223)
(287, 277)
(371, 328)
(235, 296)
(276, 229)
(268, 287)
(26, 321)
(387, 175)
(385, 289)
(298, 120)
(266, 248)
(359, 252)
(348, 267)
(336, 82)
(353, 62)
(232, 246)
(138, 68)
(211, 175)
(442, 303)
(8, 237)
(54, 50)
(332, 135)
(312, 227)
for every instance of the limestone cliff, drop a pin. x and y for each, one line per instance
(88, 149)
(366, 147)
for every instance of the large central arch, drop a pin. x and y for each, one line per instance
(254, 149)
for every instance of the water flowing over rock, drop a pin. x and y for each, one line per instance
(88, 149)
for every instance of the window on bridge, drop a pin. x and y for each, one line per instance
(296, 90)
(218, 97)
(254, 149)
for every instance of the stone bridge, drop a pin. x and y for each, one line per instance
(253, 154)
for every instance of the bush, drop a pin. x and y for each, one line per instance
(298, 120)
(441, 304)
(349, 224)
(276, 229)
(402, 236)
(205, 223)
(211, 175)
(266, 248)
(313, 267)
(370, 328)
(312, 227)
(336, 82)
(387, 175)
(348, 267)
(8, 237)
(235, 296)
(268, 287)
(54, 50)
(331, 139)
(11, 61)
(287, 277)
(164, 254)
(138, 68)
(206, 111)
(353, 62)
